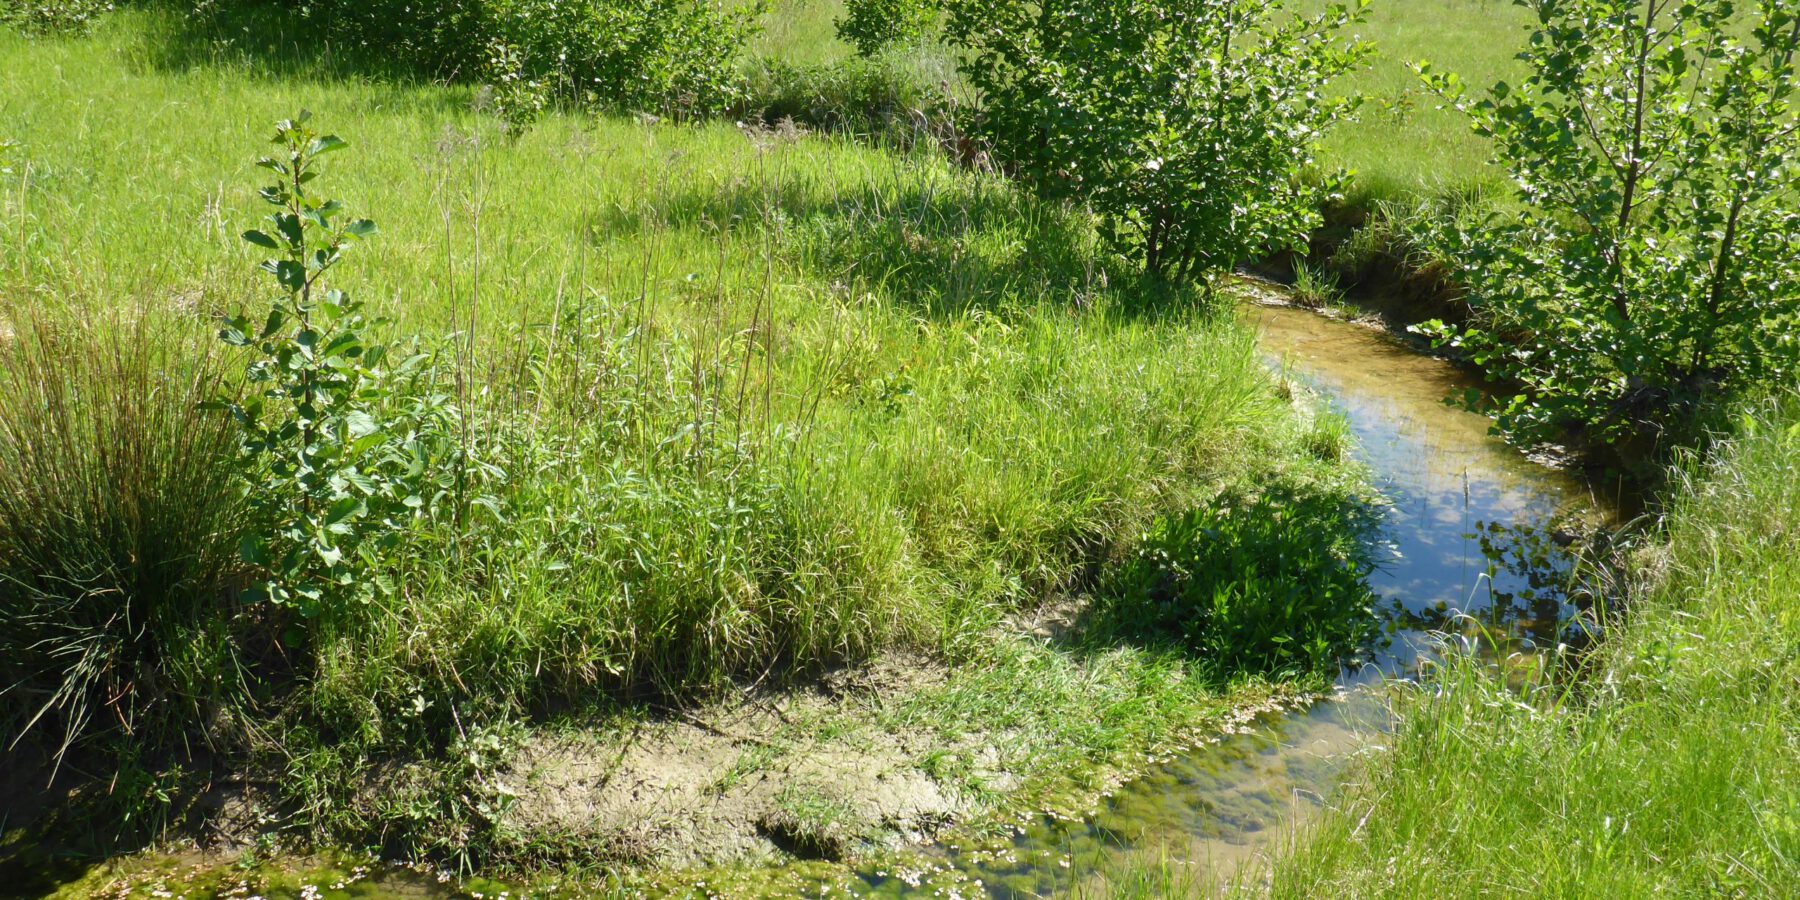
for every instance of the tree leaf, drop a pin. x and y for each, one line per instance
(261, 240)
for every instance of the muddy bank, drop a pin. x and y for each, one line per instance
(757, 780)
(765, 793)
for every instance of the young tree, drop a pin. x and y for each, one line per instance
(1653, 150)
(338, 459)
(872, 26)
(1187, 126)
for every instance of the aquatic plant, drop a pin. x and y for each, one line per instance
(1271, 582)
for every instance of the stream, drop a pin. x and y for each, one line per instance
(1472, 542)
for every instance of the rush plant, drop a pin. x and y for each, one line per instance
(337, 454)
(1655, 149)
(1185, 125)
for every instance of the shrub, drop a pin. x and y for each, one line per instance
(118, 519)
(670, 56)
(42, 17)
(1267, 583)
(872, 26)
(1184, 125)
(1654, 262)
(871, 96)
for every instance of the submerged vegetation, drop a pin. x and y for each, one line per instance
(787, 433)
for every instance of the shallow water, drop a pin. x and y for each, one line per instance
(1472, 542)
(1450, 484)
(1459, 499)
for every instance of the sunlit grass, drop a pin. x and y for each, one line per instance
(764, 401)
(1668, 769)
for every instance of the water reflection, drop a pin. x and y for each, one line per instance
(1477, 535)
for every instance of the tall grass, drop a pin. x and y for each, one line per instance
(1669, 768)
(118, 516)
(737, 403)
(740, 402)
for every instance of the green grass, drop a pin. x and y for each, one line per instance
(754, 402)
(1668, 769)
(1404, 142)
(112, 578)
(803, 32)
(763, 402)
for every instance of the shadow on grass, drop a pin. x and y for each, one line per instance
(941, 246)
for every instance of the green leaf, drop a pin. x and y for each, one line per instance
(291, 228)
(276, 319)
(330, 143)
(261, 240)
(344, 509)
(292, 275)
(253, 551)
(361, 424)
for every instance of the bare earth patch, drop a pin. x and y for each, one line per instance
(802, 773)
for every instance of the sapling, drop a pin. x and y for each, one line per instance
(336, 456)
(1651, 263)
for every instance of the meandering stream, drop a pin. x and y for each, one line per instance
(1459, 500)
(1449, 484)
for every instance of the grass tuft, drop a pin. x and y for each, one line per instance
(118, 515)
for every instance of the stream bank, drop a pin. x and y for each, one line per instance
(781, 788)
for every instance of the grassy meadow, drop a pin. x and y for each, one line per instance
(739, 407)
(745, 404)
